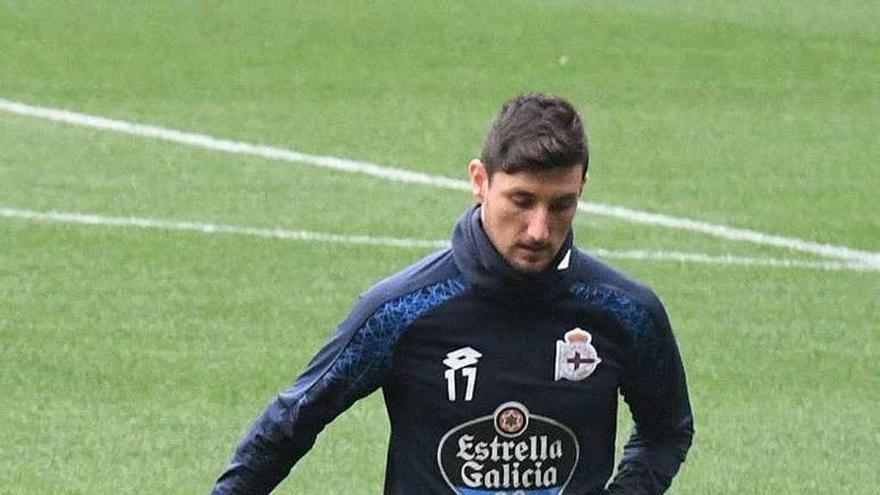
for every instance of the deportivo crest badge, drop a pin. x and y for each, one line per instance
(576, 358)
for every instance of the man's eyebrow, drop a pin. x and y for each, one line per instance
(565, 198)
(520, 192)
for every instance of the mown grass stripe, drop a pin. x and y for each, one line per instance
(400, 175)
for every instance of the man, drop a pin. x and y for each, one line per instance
(501, 358)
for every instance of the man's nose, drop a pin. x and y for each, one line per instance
(539, 225)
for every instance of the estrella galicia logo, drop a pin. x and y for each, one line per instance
(510, 452)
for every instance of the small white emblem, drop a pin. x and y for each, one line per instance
(566, 260)
(463, 359)
(576, 358)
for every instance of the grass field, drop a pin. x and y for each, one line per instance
(133, 359)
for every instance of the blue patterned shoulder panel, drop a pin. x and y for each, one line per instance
(355, 360)
(367, 358)
(631, 315)
(644, 322)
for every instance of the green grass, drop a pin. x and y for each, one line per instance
(132, 361)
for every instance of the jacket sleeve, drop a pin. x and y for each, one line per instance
(351, 366)
(656, 391)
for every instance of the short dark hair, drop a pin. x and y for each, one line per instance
(535, 132)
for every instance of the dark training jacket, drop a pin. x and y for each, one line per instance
(495, 381)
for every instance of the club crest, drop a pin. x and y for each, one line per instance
(576, 358)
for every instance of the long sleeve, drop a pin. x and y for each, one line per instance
(347, 368)
(353, 364)
(356, 361)
(656, 392)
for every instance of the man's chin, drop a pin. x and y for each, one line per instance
(529, 266)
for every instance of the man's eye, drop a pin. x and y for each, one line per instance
(521, 202)
(563, 206)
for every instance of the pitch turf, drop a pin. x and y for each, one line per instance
(132, 360)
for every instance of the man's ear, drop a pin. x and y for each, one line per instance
(584, 182)
(479, 179)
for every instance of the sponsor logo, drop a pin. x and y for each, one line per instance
(576, 358)
(511, 420)
(510, 452)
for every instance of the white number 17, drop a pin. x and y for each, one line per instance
(470, 374)
(462, 359)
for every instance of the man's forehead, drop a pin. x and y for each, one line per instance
(559, 181)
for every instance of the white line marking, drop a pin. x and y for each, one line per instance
(735, 234)
(303, 235)
(729, 259)
(211, 228)
(227, 146)
(399, 175)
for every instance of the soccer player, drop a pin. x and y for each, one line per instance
(501, 358)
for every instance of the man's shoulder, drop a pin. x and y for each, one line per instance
(434, 268)
(597, 280)
(426, 283)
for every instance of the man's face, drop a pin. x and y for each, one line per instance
(527, 215)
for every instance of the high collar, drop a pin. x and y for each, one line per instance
(492, 275)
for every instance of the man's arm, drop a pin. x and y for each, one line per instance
(656, 391)
(352, 365)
